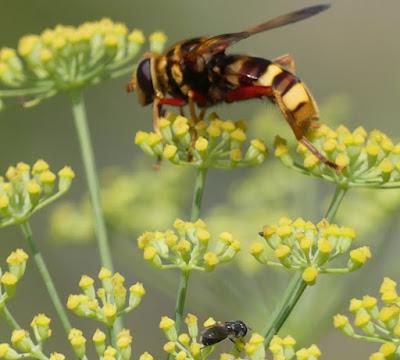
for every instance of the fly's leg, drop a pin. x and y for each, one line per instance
(202, 113)
(299, 133)
(286, 61)
(156, 114)
(192, 106)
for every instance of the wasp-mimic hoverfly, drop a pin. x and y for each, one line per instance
(199, 72)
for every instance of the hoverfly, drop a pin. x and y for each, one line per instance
(199, 72)
(220, 331)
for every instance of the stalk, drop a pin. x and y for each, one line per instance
(44, 272)
(199, 186)
(12, 323)
(82, 128)
(297, 286)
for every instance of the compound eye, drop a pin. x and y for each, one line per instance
(144, 83)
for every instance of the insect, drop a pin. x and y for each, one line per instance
(220, 331)
(199, 72)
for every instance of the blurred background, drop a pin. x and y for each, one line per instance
(349, 58)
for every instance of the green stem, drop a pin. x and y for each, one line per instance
(195, 214)
(12, 323)
(181, 297)
(198, 194)
(81, 124)
(297, 285)
(44, 272)
(82, 128)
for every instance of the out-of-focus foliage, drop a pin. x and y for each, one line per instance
(133, 201)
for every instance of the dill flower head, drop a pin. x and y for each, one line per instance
(66, 58)
(285, 349)
(193, 344)
(214, 143)
(187, 247)
(107, 302)
(376, 319)
(366, 159)
(300, 245)
(26, 189)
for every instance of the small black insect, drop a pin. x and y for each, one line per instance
(220, 331)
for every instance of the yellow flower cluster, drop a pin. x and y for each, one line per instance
(214, 143)
(108, 302)
(24, 347)
(187, 248)
(303, 246)
(16, 262)
(25, 189)
(68, 57)
(122, 349)
(187, 346)
(378, 322)
(366, 159)
(284, 349)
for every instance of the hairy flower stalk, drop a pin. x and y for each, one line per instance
(28, 190)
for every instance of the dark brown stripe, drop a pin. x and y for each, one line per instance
(251, 70)
(299, 106)
(283, 82)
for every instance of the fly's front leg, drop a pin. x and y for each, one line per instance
(156, 114)
(286, 61)
(192, 106)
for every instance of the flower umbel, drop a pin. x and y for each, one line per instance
(203, 144)
(379, 321)
(25, 190)
(366, 159)
(303, 246)
(187, 248)
(284, 349)
(106, 303)
(16, 262)
(67, 57)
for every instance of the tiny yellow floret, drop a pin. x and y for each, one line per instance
(8, 279)
(340, 321)
(166, 323)
(310, 275)
(40, 166)
(209, 322)
(66, 172)
(201, 144)
(138, 289)
(104, 274)
(211, 259)
(169, 151)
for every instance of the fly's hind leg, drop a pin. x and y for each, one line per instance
(299, 133)
(286, 61)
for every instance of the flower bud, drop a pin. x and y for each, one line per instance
(99, 339)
